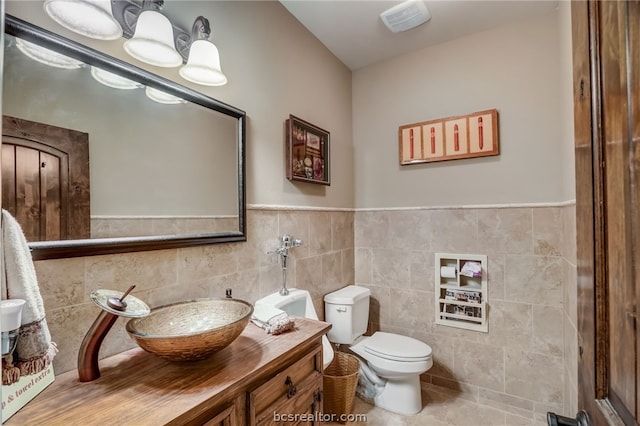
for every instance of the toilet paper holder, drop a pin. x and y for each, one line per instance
(448, 272)
(461, 291)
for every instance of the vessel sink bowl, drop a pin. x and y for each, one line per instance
(190, 330)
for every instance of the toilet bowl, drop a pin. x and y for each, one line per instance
(393, 355)
(399, 361)
(390, 363)
(298, 303)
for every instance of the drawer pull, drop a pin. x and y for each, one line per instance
(292, 388)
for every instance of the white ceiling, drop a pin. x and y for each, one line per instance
(354, 32)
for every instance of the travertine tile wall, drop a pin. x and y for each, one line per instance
(324, 263)
(525, 363)
(112, 227)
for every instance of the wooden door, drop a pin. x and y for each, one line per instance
(33, 178)
(606, 42)
(45, 179)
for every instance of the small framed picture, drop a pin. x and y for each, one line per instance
(307, 152)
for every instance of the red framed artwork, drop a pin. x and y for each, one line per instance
(451, 138)
(307, 152)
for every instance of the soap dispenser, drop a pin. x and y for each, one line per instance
(10, 319)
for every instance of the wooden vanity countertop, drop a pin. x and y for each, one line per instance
(139, 388)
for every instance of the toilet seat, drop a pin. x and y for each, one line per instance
(395, 347)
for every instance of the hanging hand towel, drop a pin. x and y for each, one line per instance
(34, 350)
(272, 320)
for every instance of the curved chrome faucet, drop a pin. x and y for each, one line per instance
(286, 242)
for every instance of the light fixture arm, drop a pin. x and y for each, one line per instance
(201, 29)
(126, 12)
(152, 4)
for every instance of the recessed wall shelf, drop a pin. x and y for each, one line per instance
(461, 291)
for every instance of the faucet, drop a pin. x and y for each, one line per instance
(286, 242)
(112, 307)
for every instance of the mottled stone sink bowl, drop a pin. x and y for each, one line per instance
(191, 330)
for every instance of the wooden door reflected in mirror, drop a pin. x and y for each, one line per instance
(45, 179)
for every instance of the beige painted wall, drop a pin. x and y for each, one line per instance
(522, 70)
(275, 68)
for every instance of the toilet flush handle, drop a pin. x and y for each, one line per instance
(341, 309)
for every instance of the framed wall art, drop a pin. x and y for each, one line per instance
(451, 138)
(307, 152)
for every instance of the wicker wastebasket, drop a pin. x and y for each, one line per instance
(340, 380)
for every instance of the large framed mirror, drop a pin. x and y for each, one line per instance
(91, 167)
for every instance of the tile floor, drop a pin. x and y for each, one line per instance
(442, 407)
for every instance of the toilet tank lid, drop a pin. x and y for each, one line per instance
(347, 295)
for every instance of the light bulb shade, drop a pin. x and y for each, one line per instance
(113, 80)
(162, 97)
(90, 18)
(46, 56)
(203, 66)
(152, 41)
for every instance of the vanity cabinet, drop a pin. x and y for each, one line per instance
(244, 384)
(296, 391)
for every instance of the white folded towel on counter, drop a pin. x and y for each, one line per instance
(271, 319)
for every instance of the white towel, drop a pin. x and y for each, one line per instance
(271, 319)
(34, 350)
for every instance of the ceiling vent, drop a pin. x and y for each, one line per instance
(406, 15)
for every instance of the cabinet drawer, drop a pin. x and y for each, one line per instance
(226, 417)
(299, 409)
(299, 379)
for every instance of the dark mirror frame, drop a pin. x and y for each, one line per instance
(88, 247)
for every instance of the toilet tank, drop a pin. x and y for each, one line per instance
(347, 310)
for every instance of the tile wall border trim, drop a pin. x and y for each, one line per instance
(470, 206)
(116, 216)
(294, 208)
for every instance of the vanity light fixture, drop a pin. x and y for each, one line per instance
(46, 56)
(90, 18)
(153, 41)
(151, 37)
(203, 65)
(113, 80)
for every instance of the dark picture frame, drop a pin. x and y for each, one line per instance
(307, 152)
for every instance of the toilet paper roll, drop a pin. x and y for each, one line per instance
(448, 271)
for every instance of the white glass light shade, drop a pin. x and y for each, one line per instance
(46, 56)
(162, 97)
(90, 18)
(113, 80)
(152, 41)
(203, 66)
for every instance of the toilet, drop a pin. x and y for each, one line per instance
(391, 363)
(298, 303)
